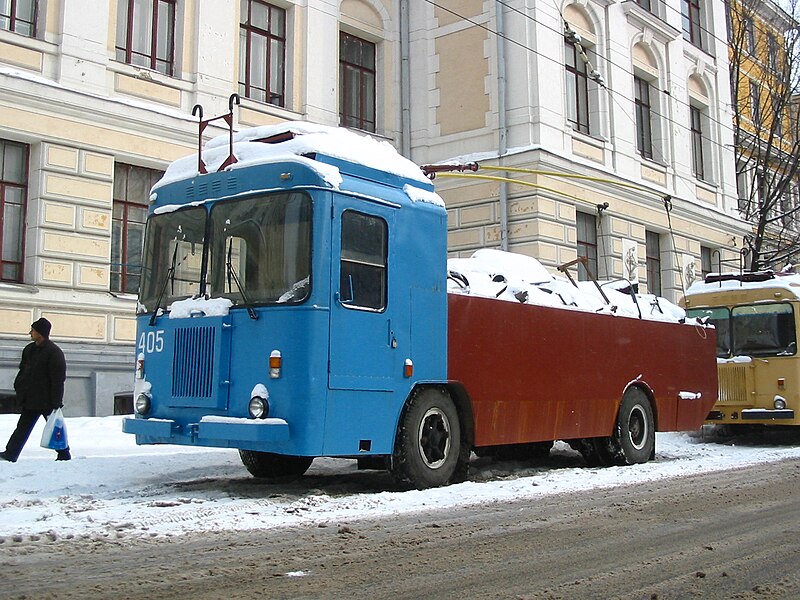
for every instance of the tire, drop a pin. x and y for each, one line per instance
(275, 467)
(635, 433)
(429, 450)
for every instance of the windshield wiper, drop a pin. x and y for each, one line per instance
(170, 276)
(232, 273)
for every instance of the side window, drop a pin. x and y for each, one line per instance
(362, 279)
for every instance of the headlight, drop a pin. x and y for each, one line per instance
(143, 404)
(779, 403)
(258, 407)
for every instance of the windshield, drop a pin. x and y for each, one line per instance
(752, 330)
(763, 330)
(173, 257)
(265, 244)
(258, 251)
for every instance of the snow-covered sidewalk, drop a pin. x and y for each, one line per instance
(113, 488)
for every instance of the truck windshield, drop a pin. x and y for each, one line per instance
(172, 257)
(265, 244)
(258, 249)
(752, 330)
(763, 330)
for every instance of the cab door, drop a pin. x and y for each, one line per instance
(362, 340)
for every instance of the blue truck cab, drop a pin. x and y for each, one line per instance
(293, 305)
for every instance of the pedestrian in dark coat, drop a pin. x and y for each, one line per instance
(39, 386)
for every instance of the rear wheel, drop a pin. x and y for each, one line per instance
(635, 434)
(278, 467)
(428, 451)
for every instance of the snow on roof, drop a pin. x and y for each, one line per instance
(519, 278)
(308, 138)
(787, 281)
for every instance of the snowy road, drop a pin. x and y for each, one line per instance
(114, 489)
(718, 535)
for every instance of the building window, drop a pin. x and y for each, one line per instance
(586, 230)
(690, 12)
(644, 132)
(262, 52)
(131, 192)
(698, 159)
(13, 194)
(577, 88)
(356, 82)
(653, 259)
(645, 4)
(705, 261)
(755, 103)
(749, 35)
(146, 34)
(772, 53)
(18, 16)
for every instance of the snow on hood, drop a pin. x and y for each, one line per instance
(310, 138)
(518, 278)
(199, 307)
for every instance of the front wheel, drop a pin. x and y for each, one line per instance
(276, 467)
(428, 451)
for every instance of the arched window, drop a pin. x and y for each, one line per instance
(648, 105)
(582, 75)
(700, 129)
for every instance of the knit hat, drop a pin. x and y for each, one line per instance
(42, 326)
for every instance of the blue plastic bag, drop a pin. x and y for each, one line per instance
(54, 435)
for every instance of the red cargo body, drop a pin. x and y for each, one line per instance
(535, 373)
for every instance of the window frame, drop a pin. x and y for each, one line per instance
(124, 223)
(652, 252)
(382, 265)
(586, 223)
(247, 31)
(125, 51)
(361, 120)
(644, 117)
(577, 92)
(23, 205)
(691, 22)
(13, 18)
(698, 151)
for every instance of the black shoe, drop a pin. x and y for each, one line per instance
(64, 455)
(7, 456)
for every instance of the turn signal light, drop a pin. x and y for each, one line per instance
(408, 368)
(781, 383)
(275, 364)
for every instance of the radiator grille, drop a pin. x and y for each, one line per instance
(193, 363)
(733, 384)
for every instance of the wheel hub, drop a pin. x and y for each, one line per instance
(434, 438)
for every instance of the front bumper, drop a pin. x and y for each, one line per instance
(752, 414)
(210, 431)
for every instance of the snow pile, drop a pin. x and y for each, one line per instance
(519, 278)
(309, 139)
(113, 488)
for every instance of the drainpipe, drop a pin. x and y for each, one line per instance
(405, 81)
(502, 130)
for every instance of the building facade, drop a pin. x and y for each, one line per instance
(611, 117)
(96, 98)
